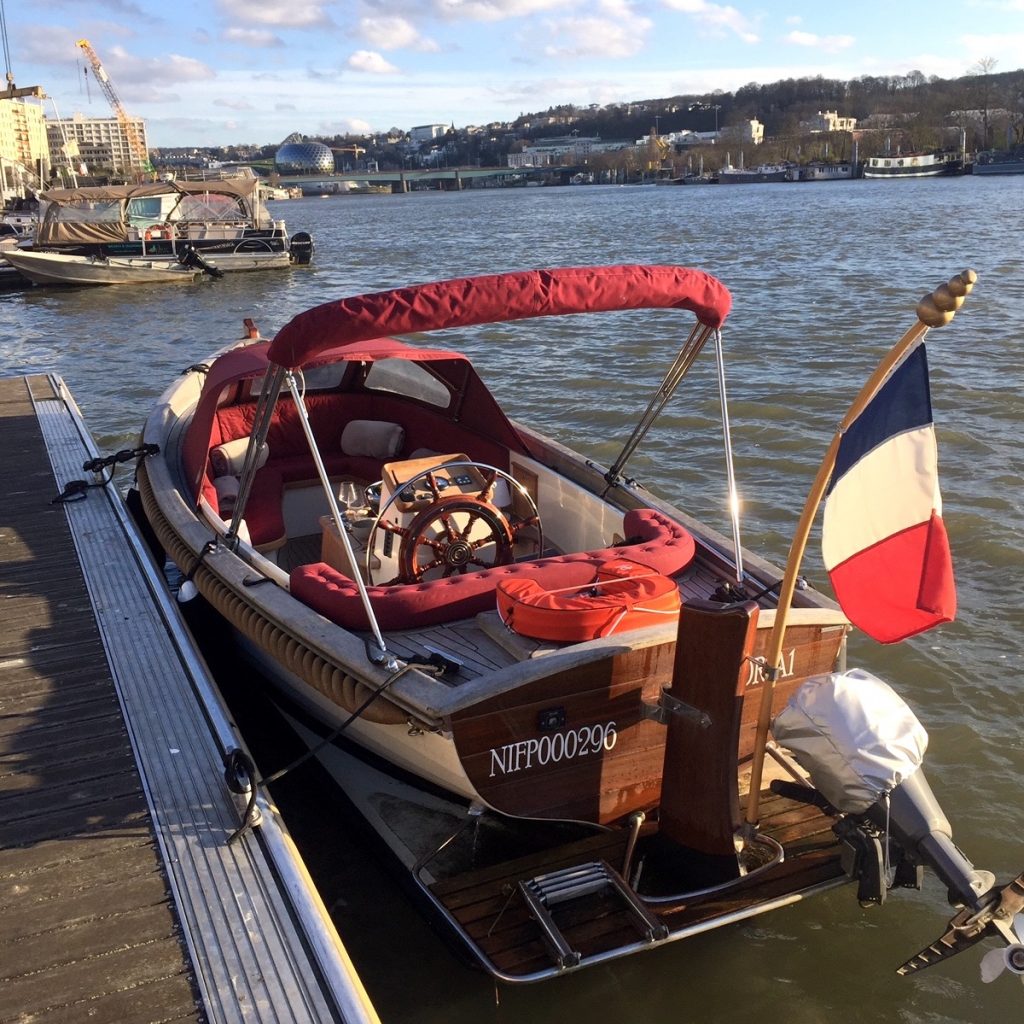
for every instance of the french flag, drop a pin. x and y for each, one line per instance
(883, 539)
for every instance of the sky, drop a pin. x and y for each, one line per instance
(229, 72)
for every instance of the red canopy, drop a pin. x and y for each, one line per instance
(496, 298)
(477, 409)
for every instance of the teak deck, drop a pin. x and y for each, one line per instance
(487, 909)
(121, 899)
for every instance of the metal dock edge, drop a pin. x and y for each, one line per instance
(239, 904)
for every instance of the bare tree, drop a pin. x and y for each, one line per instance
(982, 71)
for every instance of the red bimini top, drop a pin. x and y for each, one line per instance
(497, 298)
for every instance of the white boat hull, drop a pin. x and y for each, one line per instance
(56, 268)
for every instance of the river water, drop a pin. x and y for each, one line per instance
(824, 278)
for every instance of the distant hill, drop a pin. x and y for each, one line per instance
(994, 101)
(912, 111)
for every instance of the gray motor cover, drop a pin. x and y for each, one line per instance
(854, 735)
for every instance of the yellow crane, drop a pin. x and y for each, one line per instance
(657, 150)
(128, 126)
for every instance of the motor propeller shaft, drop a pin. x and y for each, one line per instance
(995, 918)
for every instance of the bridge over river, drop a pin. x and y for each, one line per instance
(447, 178)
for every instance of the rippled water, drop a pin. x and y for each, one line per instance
(824, 278)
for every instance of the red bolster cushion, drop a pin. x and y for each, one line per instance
(660, 545)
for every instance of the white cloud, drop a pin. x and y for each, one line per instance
(829, 44)
(251, 37)
(496, 10)
(394, 33)
(282, 13)
(714, 18)
(347, 126)
(597, 37)
(173, 69)
(233, 104)
(1005, 48)
(371, 63)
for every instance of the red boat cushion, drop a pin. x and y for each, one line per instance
(654, 541)
(622, 595)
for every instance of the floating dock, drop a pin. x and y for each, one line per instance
(122, 899)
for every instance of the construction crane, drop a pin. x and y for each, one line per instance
(657, 150)
(128, 126)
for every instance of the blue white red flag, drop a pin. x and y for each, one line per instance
(883, 539)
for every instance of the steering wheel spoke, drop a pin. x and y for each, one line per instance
(456, 532)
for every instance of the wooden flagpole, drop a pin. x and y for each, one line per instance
(934, 310)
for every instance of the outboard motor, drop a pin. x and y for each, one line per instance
(300, 248)
(862, 748)
(188, 257)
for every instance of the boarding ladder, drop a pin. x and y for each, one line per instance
(543, 893)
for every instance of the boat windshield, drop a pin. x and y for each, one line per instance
(87, 211)
(210, 207)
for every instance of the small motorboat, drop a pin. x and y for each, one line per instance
(54, 268)
(655, 725)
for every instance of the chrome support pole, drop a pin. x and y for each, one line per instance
(734, 501)
(260, 428)
(391, 663)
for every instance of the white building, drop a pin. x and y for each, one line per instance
(745, 132)
(564, 149)
(427, 132)
(830, 121)
(97, 142)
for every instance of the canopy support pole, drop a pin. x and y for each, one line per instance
(734, 500)
(260, 429)
(386, 657)
(679, 368)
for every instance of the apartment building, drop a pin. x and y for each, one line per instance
(98, 142)
(23, 144)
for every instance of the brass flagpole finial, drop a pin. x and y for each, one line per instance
(937, 308)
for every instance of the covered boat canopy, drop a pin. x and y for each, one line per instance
(496, 298)
(472, 405)
(242, 188)
(102, 214)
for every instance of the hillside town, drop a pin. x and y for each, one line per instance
(685, 137)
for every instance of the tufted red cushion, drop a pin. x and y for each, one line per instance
(651, 539)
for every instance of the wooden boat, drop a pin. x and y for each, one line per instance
(225, 221)
(53, 268)
(366, 519)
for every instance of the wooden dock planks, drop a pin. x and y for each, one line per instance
(88, 930)
(121, 898)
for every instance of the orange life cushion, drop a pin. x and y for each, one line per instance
(623, 595)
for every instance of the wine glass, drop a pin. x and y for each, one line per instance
(349, 497)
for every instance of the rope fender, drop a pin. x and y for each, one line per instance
(290, 651)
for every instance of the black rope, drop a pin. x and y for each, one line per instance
(203, 552)
(430, 665)
(75, 490)
(729, 592)
(124, 455)
(240, 776)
